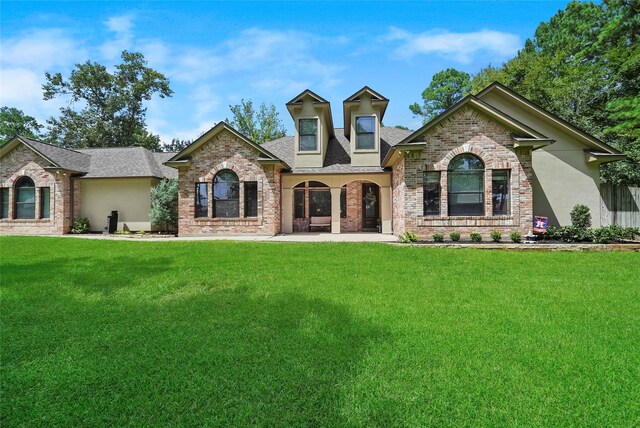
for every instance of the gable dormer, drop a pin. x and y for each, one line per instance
(363, 113)
(313, 128)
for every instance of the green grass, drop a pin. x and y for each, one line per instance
(275, 334)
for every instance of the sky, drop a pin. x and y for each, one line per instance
(218, 53)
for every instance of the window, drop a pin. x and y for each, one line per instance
(466, 185)
(202, 200)
(343, 202)
(25, 199)
(226, 194)
(308, 135)
(500, 191)
(320, 203)
(431, 192)
(365, 133)
(45, 199)
(4, 203)
(298, 198)
(251, 199)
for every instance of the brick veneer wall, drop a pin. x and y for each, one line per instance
(20, 162)
(467, 131)
(225, 151)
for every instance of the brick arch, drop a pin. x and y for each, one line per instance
(37, 178)
(486, 157)
(224, 165)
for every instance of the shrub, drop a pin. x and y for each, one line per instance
(475, 237)
(614, 233)
(572, 234)
(581, 217)
(496, 236)
(455, 236)
(515, 237)
(81, 225)
(408, 237)
(141, 232)
(438, 237)
(164, 204)
(123, 232)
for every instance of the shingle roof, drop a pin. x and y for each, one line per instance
(71, 160)
(338, 157)
(127, 162)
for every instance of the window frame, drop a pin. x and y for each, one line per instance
(373, 133)
(343, 202)
(254, 214)
(296, 204)
(200, 210)
(17, 191)
(505, 196)
(236, 201)
(312, 201)
(426, 191)
(5, 202)
(455, 210)
(45, 201)
(316, 149)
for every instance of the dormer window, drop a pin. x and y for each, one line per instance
(308, 133)
(365, 133)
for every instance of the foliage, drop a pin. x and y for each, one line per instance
(176, 145)
(164, 204)
(14, 122)
(438, 237)
(614, 233)
(111, 105)
(455, 236)
(141, 232)
(259, 126)
(581, 217)
(408, 237)
(122, 232)
(584, 65)
(569, 233)
(97, 331)
(516, 237)
(402, 127)
(496, 236)
(475, 237)
(447, 87)
(81, 225)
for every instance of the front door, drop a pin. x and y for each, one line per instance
(370, 206)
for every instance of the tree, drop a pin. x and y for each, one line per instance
(111, 105)
(164, 204)
(176, 145)
(14, 122)
(261, 126)
(447, 87)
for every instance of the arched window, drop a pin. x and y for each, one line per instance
(25, 198)
(226, 194)
(466, 185)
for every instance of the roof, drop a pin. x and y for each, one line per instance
(101, 162)
(185, 154)
(59, 157)
(338, 157)
(377, 100)
(113, 162)
(572, 130)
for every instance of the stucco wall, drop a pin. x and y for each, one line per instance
(562, 177)
(131, 197)
(23, 161)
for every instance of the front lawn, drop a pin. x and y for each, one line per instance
(277, 334)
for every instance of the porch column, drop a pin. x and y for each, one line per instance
(385, 209)
(335, 209)
(287, 210)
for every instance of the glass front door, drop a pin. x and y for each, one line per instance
(370, 206)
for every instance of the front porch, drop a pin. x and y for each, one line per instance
(336, 203)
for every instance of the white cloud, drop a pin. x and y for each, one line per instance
(41, 49)
(461, 47)
(122, 27)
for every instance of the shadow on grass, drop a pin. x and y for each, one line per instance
(203, 353)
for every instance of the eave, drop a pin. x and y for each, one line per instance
(532, 143)
(592, 156)
(396, 151)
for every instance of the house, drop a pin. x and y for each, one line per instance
(45, 187)
(489, 163)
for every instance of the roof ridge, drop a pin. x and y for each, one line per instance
(49, 144)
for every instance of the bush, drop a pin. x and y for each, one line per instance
(438, 237)
(571, 234)
(408, 237)
(496, 236)
(581, 217)
(164, 204)
(475, 237)
(515, 237)
(455, 236)
(81, 225)
(614, 233)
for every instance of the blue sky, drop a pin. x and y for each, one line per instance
(216, 53)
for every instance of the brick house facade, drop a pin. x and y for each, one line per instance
(489, 163)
